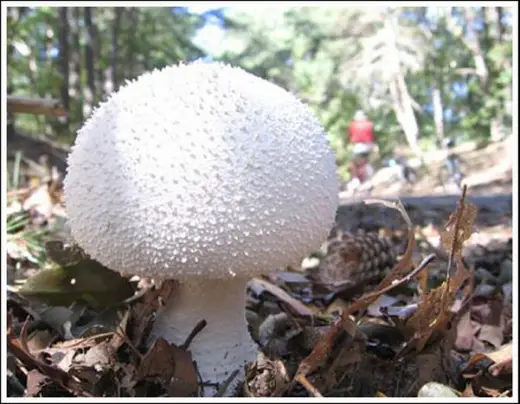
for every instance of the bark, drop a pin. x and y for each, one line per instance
(64, 57)
(130, 54)
(438, 115)
(501, 28)
(401, 99)
(118, 14)
(90, 90)
(98, 41)
(75, 87)
(403, 108)
(473, 43)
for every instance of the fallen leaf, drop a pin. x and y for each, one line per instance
(400, 311)
(458, 227)
(142, 311)
(323, 347)
(86, 281)
(17, 347)
(158, 362)
(433, 311)
(170, 365)
(503, 359)
(265, 378)
(64, 254)
(39, 340)
(40, 202)
(185, 379)
(490, 373)
(57, 316)
(63, 358)
(127, 380)
(383, 301)
(35, 383)
(465, 333)
(288, 277)
(491, 334)
(107, 321)
(399, 272)
(99, 356)
(295, 305)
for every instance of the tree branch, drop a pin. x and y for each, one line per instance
(35, 106)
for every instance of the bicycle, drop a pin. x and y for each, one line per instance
(451, 172)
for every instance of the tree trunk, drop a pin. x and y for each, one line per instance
(501, 29)
(90, 90)
(64, 58)
(472, 41)
(130, 56)
(401, 99)
(403, 108)
(118, 13)
(438, 114)
(99, 67)
(75, 86)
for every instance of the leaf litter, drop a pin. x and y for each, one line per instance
(425, 324)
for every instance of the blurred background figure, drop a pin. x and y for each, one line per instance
(361, 135)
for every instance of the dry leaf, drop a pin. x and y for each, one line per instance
(35, 383)
(324, 346)
(465, 333)
(142, 311)
(459, 227)
(40, 202)
(503, 359)
(265, 378)
(295, 305)
(18, 347)
(39, 340)
(400, 271)
(433, 311)
(172, 366)
(100, 355)
(63, 359)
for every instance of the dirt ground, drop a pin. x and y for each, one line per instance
(486, 170)
(312, 343)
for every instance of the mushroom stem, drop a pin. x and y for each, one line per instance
(224, 344)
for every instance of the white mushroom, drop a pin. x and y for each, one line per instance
(206, 174)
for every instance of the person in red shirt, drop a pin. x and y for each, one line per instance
(361, 130)
(361, 135)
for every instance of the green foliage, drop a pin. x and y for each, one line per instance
(127, 42)
(340, 60)
(336, 60)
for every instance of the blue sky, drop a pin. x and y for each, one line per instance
(210, 36)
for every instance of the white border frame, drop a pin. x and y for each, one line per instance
(218, 4)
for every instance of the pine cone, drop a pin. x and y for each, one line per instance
(354, 262)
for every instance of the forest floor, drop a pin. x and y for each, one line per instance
(486, 170)
(418, 327)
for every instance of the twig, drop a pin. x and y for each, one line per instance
(361, 301)
(313, 391)
(225, 384)
(198, 328)
(137, 296)
(438, 251)
(459, 213)
(34, 106)
(121, 334)
(397, 204)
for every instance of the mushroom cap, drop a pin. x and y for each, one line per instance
(200, 168)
